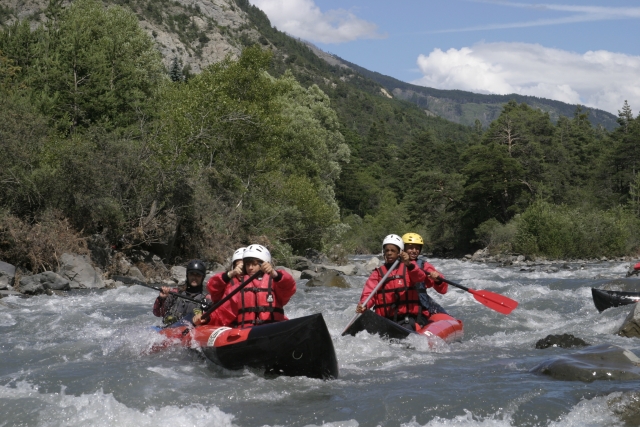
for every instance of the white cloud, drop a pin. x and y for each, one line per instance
(303, 19)
(578, 14)
(597, 79)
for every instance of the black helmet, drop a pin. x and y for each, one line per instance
(197, 266)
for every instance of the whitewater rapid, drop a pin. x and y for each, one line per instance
(84, 360)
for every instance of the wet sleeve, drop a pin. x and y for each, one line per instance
(440, 287)
(158, 307)
(216, 286)
(284, 285)
(369, 286)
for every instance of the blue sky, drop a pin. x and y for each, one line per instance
(585, 52)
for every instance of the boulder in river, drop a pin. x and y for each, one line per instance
(631, 326)
(562, 341)
(80, 273)
(39, 283)
(331, 278)
(7, 275)
(294, 273)
(599, 362)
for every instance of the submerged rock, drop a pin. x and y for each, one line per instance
(600, 362)
(626, 407)
(562, 341)
(631, 326)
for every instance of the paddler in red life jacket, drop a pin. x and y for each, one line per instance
(219, 282)
(413, 244)
(259, 302)
(173, 309)
(398, 298)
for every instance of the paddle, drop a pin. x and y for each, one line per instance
(364, 303)
(496, 302)
(129, 280)
(214, 307)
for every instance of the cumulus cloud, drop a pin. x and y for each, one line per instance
(598, 79)
(303, 19)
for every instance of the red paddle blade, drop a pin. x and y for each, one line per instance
(637, 266)
(496, 302)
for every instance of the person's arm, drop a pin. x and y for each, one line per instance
(217, 284)
(162, 303)
(284, 286)
(416, 274)
(434, 279)
(369, 286)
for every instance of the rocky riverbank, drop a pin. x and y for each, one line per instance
(107, 268)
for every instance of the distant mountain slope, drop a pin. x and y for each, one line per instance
(202, 32)
(465, 107)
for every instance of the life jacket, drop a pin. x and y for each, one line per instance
(425, 299)
(258, 304)
(397, 297)
(180, 308)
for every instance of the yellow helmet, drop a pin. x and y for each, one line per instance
(412, 238)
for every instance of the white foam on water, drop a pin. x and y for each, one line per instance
(6, 319)
(468, 419)
(103, 410)
(590, 413)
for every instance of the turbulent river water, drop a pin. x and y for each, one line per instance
(82, 360)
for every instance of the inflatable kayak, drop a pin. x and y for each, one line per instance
(441, 325)
(607, 299)
(296, 347)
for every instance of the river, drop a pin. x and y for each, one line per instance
(82, 360)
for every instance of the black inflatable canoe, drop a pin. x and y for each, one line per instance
(607, 299)
(296, 347)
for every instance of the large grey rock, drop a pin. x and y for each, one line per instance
(39, 283)
(301, 263)
(372, 264)
(600, 362)
(179, 274)
(7, 275)
(80, 273)
(136, 274)
(294, 273)
(347, 270)
(331, 278)
(631, 326)
(101, 252)
(308, 274)
(316, 257)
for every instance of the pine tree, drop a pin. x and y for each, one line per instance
(625, 116)
(175, 72)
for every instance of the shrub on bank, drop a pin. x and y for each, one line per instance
(560, 231)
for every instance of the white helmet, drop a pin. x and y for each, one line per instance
(257, 251)
(394, 239)
(237, 255)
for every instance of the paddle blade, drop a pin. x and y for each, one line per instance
(496, 302)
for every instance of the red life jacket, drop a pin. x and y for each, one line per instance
(398, 296)
(258, 304)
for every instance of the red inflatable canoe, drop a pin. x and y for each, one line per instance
(442, 325)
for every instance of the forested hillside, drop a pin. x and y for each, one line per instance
(103, 141)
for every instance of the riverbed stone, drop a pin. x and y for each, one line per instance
(7, 275)
(372, 264)
(600, 362)
(80, 273)
(308, 274)
(301, 263)
(294, 273)
(626, 407)
(562, 341)
(330, 278)
(347, 270)
(631, 325)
